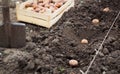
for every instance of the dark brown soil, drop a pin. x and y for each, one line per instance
(48, 50)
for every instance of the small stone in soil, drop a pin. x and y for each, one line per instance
(28, 38)
(30, 65)
(105, 51)
(116, 44)
(31, 31)
(115, 54)
(101, 54)
(30, 45)
(55, 40)
(110, 39)
(59, 55)
(73, 62)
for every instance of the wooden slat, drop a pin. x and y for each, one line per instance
(33, 20)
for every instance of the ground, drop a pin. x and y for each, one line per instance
(48, 51)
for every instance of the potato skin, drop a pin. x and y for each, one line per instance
(28, 4)
(73, 62)
(58, 5)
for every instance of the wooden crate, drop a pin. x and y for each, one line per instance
(45, 20)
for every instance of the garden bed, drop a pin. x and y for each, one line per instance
(48, 51)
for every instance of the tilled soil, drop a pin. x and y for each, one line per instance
(48, 51)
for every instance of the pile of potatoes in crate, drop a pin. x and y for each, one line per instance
(43, 6)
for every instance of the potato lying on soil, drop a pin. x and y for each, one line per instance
(107, 9)
(84, 41)
(95, 21)
(73, 62)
